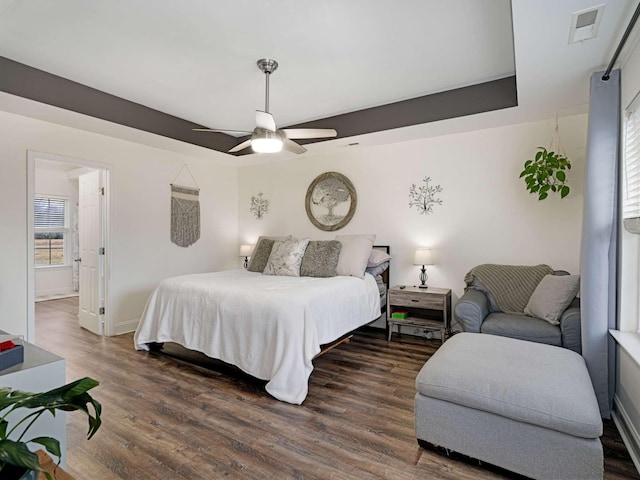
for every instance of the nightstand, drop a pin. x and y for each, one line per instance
(427, 309)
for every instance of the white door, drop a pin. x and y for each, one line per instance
(90, 201)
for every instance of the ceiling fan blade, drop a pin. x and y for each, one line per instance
(292, 146)
(240, 146)
(218, 130)
(300, 133)
(265, 120)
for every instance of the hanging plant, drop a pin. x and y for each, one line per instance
(546, 173)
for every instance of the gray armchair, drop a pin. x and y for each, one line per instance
(473, 314)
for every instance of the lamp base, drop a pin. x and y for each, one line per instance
(423, 277)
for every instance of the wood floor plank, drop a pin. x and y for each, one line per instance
(181, 415)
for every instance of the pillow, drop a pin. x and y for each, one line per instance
(382, 287)
(354, 254)
(552, 296)
(320, 258)
(378, 269)
(286, 257)
(377, 257)
(261, 253)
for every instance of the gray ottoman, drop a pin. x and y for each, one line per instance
(523, 406)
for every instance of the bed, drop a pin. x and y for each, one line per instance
(271, 327)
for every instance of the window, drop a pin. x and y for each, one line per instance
(631, 185)
(50, 227)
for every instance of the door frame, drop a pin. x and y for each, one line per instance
(107, 222)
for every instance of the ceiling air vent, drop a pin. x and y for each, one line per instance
(585, 23)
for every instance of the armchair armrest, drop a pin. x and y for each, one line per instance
(571, 328)
(471, 310)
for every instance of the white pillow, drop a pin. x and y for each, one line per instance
(354, 254)
(377, 257)
(552, 296)
(286, 257)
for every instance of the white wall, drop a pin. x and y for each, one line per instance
(142, 253)
(487, 216)
(52, 179)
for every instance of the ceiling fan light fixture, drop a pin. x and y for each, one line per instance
(265, 141)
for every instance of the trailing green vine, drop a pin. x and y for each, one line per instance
(546, 173)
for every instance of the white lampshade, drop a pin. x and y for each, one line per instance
(245, 250)
(423, 257)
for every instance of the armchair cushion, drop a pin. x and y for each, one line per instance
(522, 327)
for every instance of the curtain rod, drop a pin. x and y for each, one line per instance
(623, 40)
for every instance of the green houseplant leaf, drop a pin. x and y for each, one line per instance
(71, 397)
(545, 174)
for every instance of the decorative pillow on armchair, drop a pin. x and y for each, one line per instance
(552, 296)
(286, 257)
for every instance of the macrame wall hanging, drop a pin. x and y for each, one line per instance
(185, 212)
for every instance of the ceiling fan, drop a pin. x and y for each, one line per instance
(266, 138)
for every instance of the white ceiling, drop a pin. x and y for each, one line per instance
(195, 59)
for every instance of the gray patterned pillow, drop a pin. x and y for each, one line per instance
(321, 258)
(260, 255)
(286, 257)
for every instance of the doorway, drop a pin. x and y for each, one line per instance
(68, 237)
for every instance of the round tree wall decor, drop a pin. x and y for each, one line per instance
(331, 201)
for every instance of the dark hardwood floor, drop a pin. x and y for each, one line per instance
(164, 417)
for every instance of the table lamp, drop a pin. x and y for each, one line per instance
(423, 257)
(246, 251)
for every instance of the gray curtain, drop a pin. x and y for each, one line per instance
(598, 254)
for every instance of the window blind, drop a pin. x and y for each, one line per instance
(49, 213)
(631, 190)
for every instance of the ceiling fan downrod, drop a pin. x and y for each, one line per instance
(267, 66)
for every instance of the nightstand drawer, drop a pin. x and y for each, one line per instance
(417, 300)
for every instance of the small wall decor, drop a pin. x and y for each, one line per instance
(185, 212)
(424, 197)
(331, 201)
(259, 206)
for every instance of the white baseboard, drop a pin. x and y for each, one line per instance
(126, 327)
(627, 431)
(54, 291)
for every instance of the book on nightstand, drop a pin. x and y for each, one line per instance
(399, 314)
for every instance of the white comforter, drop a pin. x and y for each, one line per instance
(271, 327)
